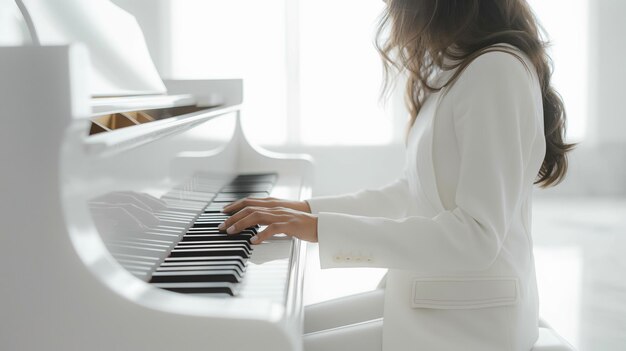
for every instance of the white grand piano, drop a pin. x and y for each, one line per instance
(112, 185)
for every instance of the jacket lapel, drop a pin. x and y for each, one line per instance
(425, 166)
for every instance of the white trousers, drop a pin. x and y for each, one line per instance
(353, 322)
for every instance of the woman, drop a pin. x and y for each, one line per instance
(454, 230)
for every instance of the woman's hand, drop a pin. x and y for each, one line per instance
(277, 219)
(268, 202)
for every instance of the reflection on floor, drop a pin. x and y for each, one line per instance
(580, 253)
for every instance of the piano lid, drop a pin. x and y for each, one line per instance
(120, 62)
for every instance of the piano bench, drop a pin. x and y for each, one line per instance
(549, 340)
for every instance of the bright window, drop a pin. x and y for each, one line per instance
(330, 95)
(341, 74)
(237, 39)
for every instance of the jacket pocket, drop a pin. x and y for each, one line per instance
(464, 292)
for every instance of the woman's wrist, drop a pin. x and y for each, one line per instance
(303, 206)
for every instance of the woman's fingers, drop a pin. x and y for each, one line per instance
(245, 213)
(270, 231)
(248, 202)
(268, 202)
(248, 211)
(277, 219)
(237, 217)
(254, 218)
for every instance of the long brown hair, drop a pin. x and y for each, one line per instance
(418, 36)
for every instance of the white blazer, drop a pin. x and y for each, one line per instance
(454, 231)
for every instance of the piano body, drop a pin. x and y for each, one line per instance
(103, 198)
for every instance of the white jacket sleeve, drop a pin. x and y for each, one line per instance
(390, 201)
(495, 117)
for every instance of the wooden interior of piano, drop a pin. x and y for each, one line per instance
(108, 122)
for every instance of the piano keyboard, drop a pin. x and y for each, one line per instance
(207, 260)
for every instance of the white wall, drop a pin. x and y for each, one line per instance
(342, 169)
(608, 71)
(153, 17)
(598, 165)
(13, 29)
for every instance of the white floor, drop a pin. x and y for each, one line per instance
(580, 253)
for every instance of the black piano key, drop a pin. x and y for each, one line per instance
(214, 216)
(211, 219)
(188, 265)
(199, 229)
(217, 237)
(207, 276)
(203, 232)
(226, 244)
(240, 271)
(199, 288)
(193, 231)
(253, 229)
(208, 230)
(210, 252)
(204, 258)
(266, 178)
(205, 261)
(190, 233)
(213, 211)
(205, 219)
(206, 224)
(247, 251)
(245, 243)
(201, 268)
(209, 223)
(215, 245)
